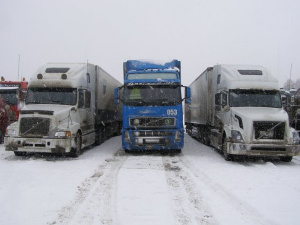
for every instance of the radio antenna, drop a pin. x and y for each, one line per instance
(291, 76)
(19, 68)
(87, 63)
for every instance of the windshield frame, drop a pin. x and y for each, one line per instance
(245, 102)
(161, 100)
(10, 96)
(138, 75)
(62, 96)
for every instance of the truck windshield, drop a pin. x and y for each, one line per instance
(254, 98)
(152, 95)
(60, 96)
(10, 96)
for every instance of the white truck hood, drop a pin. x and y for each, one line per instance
(57, 109)
(253, 114)
(260, 113)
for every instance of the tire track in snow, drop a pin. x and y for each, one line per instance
(188, 204)
(93, 203)
(270, 169)
(240, 212)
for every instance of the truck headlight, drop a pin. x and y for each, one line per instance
(177, 136)
(136, 133)
(296, 138)
(63, 134)
(236, 136)
(10, 132)
(126, 136)
(136, 122)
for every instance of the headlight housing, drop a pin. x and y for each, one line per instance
(63, 134)
(10, 132)
(126, 136)
(236, 136)
(296, 138)
(177, 136)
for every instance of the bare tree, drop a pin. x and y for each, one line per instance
(297, 85)
(292, 84)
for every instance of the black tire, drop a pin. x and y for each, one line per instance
(102, 135)
(77, 150)
(2, 137)
(176, 151)
(227, 157)
(19, 153)
(99, 136)
(286, 158)
(127, 151)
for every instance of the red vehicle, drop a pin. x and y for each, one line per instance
(4, 118)
(13, 92)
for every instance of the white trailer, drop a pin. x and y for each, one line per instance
(68, 106)
(237, 109)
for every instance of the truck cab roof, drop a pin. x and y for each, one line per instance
(60, 74)
(245, 77)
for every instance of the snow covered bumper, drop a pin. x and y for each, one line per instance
(47, 145)
(263, 149)
(152, 139)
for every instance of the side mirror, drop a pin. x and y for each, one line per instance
(73, 109)
(218, 99)
(188, 95)
(116, 96)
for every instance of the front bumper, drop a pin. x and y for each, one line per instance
(263, 149)
(152, 139)
(42, 145)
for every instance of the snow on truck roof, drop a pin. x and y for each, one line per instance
(135, 65)
(59, 74)
(246, 76)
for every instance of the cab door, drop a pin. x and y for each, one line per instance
(85, 113)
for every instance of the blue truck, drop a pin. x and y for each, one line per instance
(152, 105)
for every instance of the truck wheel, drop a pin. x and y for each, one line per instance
(98, 138)
(1, 137)
(176, 151)
(19, 153)
(77, 151)
(101, 135)
(227, 157)
(286, 158)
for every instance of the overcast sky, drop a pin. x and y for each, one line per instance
(108, 32)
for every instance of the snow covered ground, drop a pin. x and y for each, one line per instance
(107, 186)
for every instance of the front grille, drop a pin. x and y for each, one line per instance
(151, 133)
(269, 130)
(152, 141)
(34, 127)
(268, 149)
(152, 122)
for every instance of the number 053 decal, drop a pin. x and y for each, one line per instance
(172, 112)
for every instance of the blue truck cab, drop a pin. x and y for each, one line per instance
(152, 106)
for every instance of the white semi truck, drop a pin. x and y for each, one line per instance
(68, 106)
(237, 109)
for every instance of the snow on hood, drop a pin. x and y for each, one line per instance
(59, 113)
(261, 113)
(56, 109)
